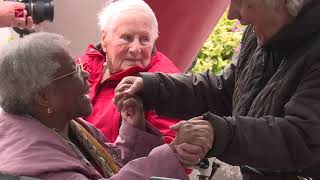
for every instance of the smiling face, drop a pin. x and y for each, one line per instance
(267, 19)
(68, 93)
(130, 41)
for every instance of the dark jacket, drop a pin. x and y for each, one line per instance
(266, 111)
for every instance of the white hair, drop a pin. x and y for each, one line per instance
(27, 65)
(107, 18)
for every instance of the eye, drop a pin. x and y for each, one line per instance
(126, 37)
(144, 40)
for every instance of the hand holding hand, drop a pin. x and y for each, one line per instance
(128, 87)
(195, 132)
(189, 155)
(132, 112)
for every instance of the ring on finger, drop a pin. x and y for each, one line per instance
(19, 13)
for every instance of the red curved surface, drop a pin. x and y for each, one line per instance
(184, 26)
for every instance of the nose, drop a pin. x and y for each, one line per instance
(233, 12)
(135, 47)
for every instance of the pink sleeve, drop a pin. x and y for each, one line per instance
(135, 143)
(131, 143)
(63, 175)
(162, 161)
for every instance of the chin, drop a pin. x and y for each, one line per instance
(260, 38)
(130, 66)
(86, 111)
(260, 42)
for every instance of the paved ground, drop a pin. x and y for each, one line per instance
(225, 172)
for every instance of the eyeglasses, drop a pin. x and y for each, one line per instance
(78, 73)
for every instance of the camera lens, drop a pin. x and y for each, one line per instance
(42, 10)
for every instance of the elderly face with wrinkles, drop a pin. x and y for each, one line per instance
(130, 41)
(266, 16)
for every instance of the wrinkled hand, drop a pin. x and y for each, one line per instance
(127, 88)
(132, 112)
(7, 15)
(189, 155)
(194, 139)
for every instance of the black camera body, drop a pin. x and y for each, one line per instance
(39, 10)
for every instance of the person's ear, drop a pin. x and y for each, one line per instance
(103, 41)
(42, 99)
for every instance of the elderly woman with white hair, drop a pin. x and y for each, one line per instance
(129, 30)
(42, 94)
(264, 110)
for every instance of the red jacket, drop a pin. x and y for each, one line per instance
(105, 115)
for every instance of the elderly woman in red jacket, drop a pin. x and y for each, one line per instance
(129, 30)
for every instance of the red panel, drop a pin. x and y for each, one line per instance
(184, 26)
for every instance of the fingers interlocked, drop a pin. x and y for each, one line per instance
(197, 133)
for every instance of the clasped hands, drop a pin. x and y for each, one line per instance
(194, 137)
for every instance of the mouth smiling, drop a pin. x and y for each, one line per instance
(86, 88)
(133, 59)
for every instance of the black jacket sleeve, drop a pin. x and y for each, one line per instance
(188, 95)
(290, 142)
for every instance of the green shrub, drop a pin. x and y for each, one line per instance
(220, 47)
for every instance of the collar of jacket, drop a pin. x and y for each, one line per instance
(303, 28)
(132, 71)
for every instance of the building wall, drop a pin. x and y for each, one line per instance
(184, 25)
(77, 21)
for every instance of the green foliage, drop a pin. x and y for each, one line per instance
(220, 47)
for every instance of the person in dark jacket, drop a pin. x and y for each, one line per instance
(265, 110)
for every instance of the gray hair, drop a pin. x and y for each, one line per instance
(113, 9)
(27, 65)
(293, 6)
